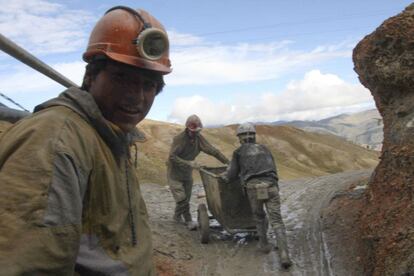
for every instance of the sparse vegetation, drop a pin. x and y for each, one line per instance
(298, 153)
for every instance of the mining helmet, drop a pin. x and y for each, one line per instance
(246, 128)
(193, 123)
(132, 37)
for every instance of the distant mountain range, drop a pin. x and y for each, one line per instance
(298, 153)
(363, 128)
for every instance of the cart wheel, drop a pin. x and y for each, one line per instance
(203, 223)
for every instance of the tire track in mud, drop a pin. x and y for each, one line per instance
(302, 201)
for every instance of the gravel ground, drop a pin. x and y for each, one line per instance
(178, 251)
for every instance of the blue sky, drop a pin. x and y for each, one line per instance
(233, 61)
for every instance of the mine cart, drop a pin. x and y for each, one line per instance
(227, 202)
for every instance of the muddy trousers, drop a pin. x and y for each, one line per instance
(181, 191)
(272, 205)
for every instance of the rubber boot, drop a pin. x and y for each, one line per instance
(192, 225)
(264, 245)
(178, 218)
(285, 261)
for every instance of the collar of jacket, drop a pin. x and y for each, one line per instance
(189, 138)
(83, 103)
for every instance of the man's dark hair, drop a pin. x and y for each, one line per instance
(95, 66)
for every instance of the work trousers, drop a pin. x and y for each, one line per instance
(272, 205)
(181, 191)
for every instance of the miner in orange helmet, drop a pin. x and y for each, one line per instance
(71, 203)
(185, 148)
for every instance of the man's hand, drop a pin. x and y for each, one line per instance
(223, 177)
(195, 165)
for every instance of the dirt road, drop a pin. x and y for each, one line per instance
(179, 251)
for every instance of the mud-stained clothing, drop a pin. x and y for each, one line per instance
(255, 166)
(272, 204)
(179, 172)
(70, 197)
(252, 160)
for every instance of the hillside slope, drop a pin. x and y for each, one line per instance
(363, 128)
(298, 153)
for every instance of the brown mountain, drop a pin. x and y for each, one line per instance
(298, 153)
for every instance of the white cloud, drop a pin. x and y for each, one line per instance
(314, 97)
(213, 63)
(43, 27)
(25, 79)
(179, 39)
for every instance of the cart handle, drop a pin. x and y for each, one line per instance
(207, 172)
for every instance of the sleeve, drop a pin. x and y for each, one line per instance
(40, 221)
(206, 147)
(173, 157)
(233, 169)
(66, 192)
(274, 163)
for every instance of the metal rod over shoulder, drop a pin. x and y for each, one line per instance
(24, 56)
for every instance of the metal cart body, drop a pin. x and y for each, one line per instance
(227, 202)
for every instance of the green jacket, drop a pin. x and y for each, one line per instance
(184, 149)
(70, 198)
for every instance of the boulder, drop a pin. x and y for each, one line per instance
(384, 61)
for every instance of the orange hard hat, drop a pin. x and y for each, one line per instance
(132, 37)
(193, 123)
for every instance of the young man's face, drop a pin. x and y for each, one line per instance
(124, 94)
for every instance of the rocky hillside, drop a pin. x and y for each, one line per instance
(298, 153)
(364, 128)
(384, 61)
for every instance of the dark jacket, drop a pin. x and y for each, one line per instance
(252, 160)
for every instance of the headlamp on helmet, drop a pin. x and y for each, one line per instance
(151, 43)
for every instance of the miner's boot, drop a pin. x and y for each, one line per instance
(191, 225)
(285, 261)
(178, 218)
(264, 245)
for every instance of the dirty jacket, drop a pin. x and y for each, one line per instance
(250, 161)
(183, 150)
(70, 198)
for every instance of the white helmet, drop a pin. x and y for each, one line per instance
(246, 128)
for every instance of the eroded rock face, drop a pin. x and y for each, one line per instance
(384, 61)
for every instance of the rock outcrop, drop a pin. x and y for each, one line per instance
(384, 61)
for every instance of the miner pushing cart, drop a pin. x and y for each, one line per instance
(227, 202)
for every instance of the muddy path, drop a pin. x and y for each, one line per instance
(179, 251)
